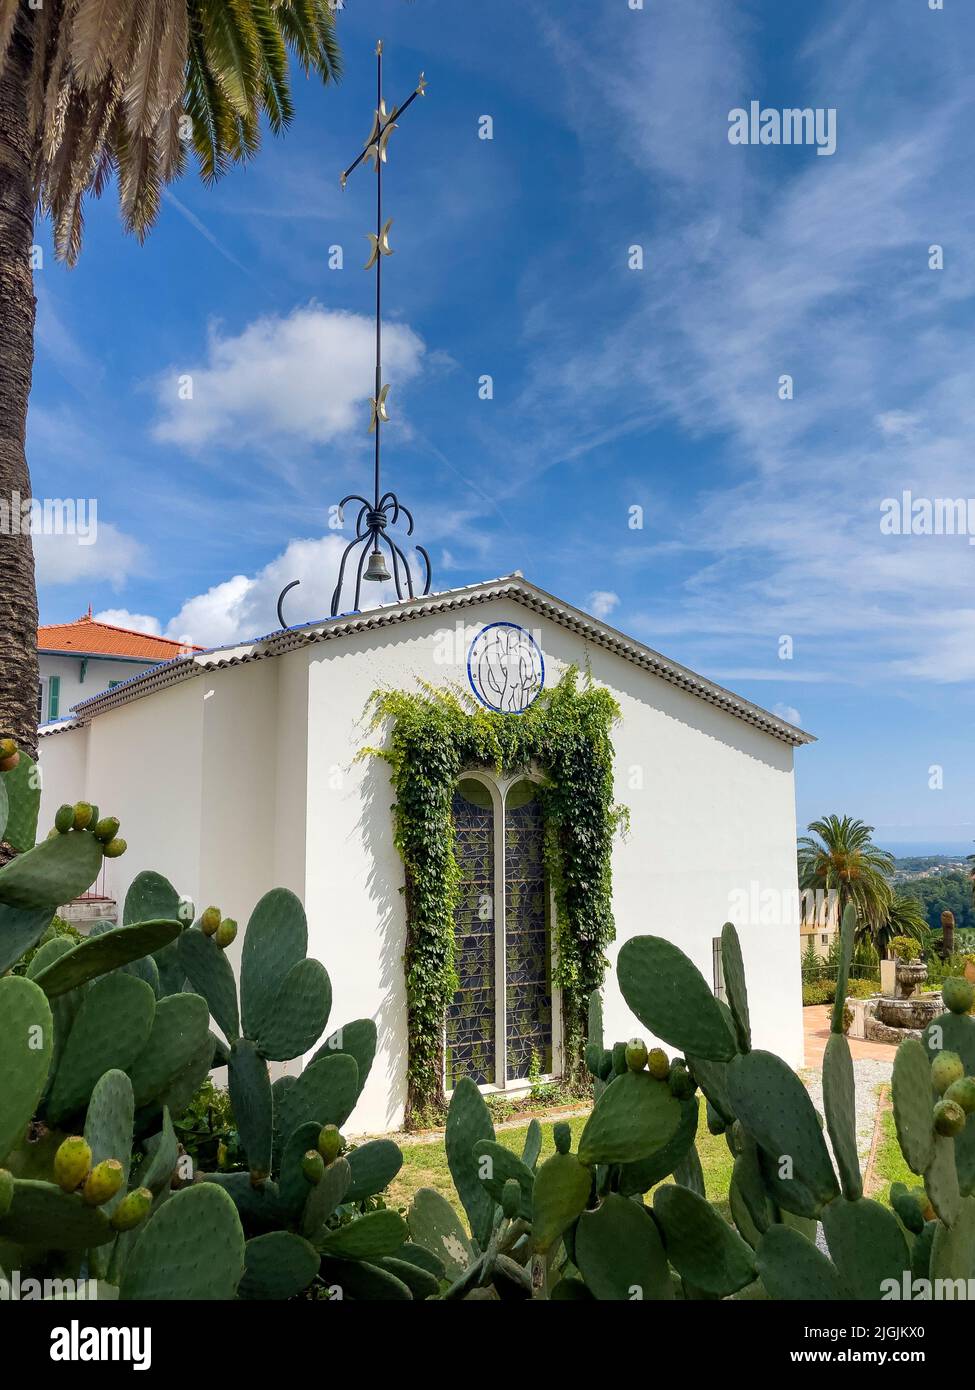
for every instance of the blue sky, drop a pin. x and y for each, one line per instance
(613, 387)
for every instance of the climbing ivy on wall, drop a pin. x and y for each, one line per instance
(434, 736)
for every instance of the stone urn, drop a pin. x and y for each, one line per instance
(910, 973)
(970, 970)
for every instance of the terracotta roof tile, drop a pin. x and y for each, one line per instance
(88, 637)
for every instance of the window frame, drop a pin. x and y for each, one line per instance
(498, 789)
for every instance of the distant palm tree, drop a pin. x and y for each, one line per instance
(905, 917)
(92, 88)
(844, 859)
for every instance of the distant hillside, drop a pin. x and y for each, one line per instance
(937, 891)
(927, 865)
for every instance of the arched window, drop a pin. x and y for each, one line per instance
(502, 1022)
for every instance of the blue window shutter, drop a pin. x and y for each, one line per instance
(53, 696)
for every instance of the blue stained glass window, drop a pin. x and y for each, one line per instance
(471, 1029)
(528, 990)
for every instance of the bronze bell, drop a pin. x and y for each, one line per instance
(376, 568)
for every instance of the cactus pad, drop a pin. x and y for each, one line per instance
(839, 1103)
(670, 996)
(250, 1097)
(941, 1180)
(357, 1039)
(792, 1268)
(299, 1013)
(179, 1029)
(53, 872)
(701, 1246)
(192, 1247)
(647, 1172)
(20, 929)
(324, 1092)
(619, 1252)
(110, 1029)
(635, 1116)
(26, 1046)
(277, 1265)
(774, 1105)
(41, 1214)
(733, 969)
(108, 1126)
(497, 1165)
(911, 1094)
(275, 941)
(376, 1233)
(559, 1196)
(103, 953)
(468, 1122)
(324, 1197)
(866, 1245)
(435, 1226)
(211, 974)
(374, 1166)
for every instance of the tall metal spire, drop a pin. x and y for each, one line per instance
(385, 508)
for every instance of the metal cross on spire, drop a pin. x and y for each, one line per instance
(385, 508)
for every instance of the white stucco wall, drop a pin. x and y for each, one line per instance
(212, 778)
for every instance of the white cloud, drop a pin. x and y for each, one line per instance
(602, 602)
(789, 713)
(113, 557)
(245, 606)
(306, 377)
(136, 622)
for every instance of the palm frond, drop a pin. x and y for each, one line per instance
(207, 110)
(95, 31)
(276, 98)
(8, 18)
(173, 56)
(142, 67)
(232, 51)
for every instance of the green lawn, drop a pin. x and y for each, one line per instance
(425, 1164)
(889, 1164)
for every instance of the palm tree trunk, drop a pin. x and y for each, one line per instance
(18, 596)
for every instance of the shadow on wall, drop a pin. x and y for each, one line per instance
(383, 883)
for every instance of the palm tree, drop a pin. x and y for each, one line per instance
(905, 917)
(95, 88)
(844, 859)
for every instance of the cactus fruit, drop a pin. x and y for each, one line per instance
(6, 1191)
(682, 1084)
(949, 1118)
(225, 933)
(115, 848)
(330, 1142)
(72, 1163)
(946, 1068)
(619, 1058)
(658, 1063)
(562, 1136)
(9, 755)
(64, 819)
(636, 1054)
(210, 920)
(103, 1182)
(511, 1198)
(82, 815)
(106, 829)
(132, 1210)
(313, 1167)
(963, 1093)
(958, 994)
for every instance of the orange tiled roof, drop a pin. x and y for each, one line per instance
(88, 637)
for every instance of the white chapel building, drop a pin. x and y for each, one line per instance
(234, 771)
